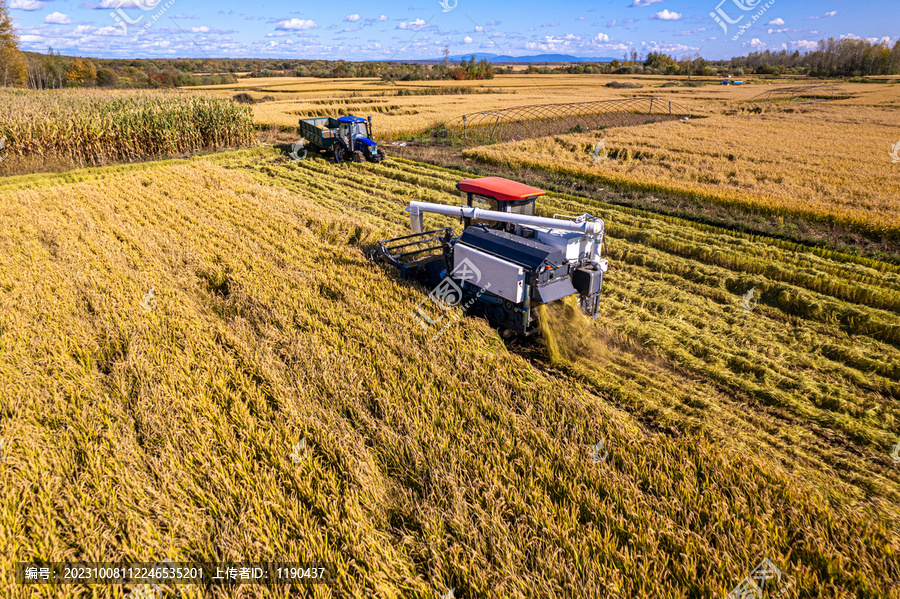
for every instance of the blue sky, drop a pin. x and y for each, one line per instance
(407, 29)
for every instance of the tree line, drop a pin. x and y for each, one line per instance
(52, 70)
(833, 58)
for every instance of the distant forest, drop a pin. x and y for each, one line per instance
(833, 58)
(52, 70)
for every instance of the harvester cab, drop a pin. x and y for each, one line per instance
(507, 262)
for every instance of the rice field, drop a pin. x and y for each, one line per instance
(827, 163)
(58, 129)
(406, 108)
(150, 425)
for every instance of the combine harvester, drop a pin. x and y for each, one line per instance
(348, 138)
(507, 262)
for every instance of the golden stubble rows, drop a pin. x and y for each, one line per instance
(431, 465)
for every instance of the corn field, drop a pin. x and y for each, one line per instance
(149, 425)
(84, 127)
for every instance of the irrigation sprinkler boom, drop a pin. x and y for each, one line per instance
(507, 262)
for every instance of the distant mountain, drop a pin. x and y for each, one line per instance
(537, 58)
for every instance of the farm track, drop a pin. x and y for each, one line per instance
(463, 463)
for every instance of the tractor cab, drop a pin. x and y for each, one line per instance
(500, 195)
(354, 135)
(352, 127)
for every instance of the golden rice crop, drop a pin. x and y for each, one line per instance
(830, 164)
(144, 429)
(84, 127)
(397, 116)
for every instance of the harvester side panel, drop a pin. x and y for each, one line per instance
(492, 274)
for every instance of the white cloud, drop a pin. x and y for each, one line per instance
(667, 47)
(295, 25)
(201, 29)
(467, 40)
(550, 25)
(639, 3)
(382, 19)
(351, 18)
(351, 29)
(830, 13)
(494, 23)
(113, 4)
(57, 18)
(417, 25)
(666, 15)
(778, 21)
(580, 19)
(26, 5)
(805, 45)
(782, 30)
(602, 38)
(622, 23)
(690, 33)
(757, 43)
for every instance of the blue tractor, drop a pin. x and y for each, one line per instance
(347, 138)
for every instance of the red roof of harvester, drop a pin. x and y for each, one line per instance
(502, 190)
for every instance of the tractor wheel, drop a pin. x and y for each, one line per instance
(338, 154)
(358, 156)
